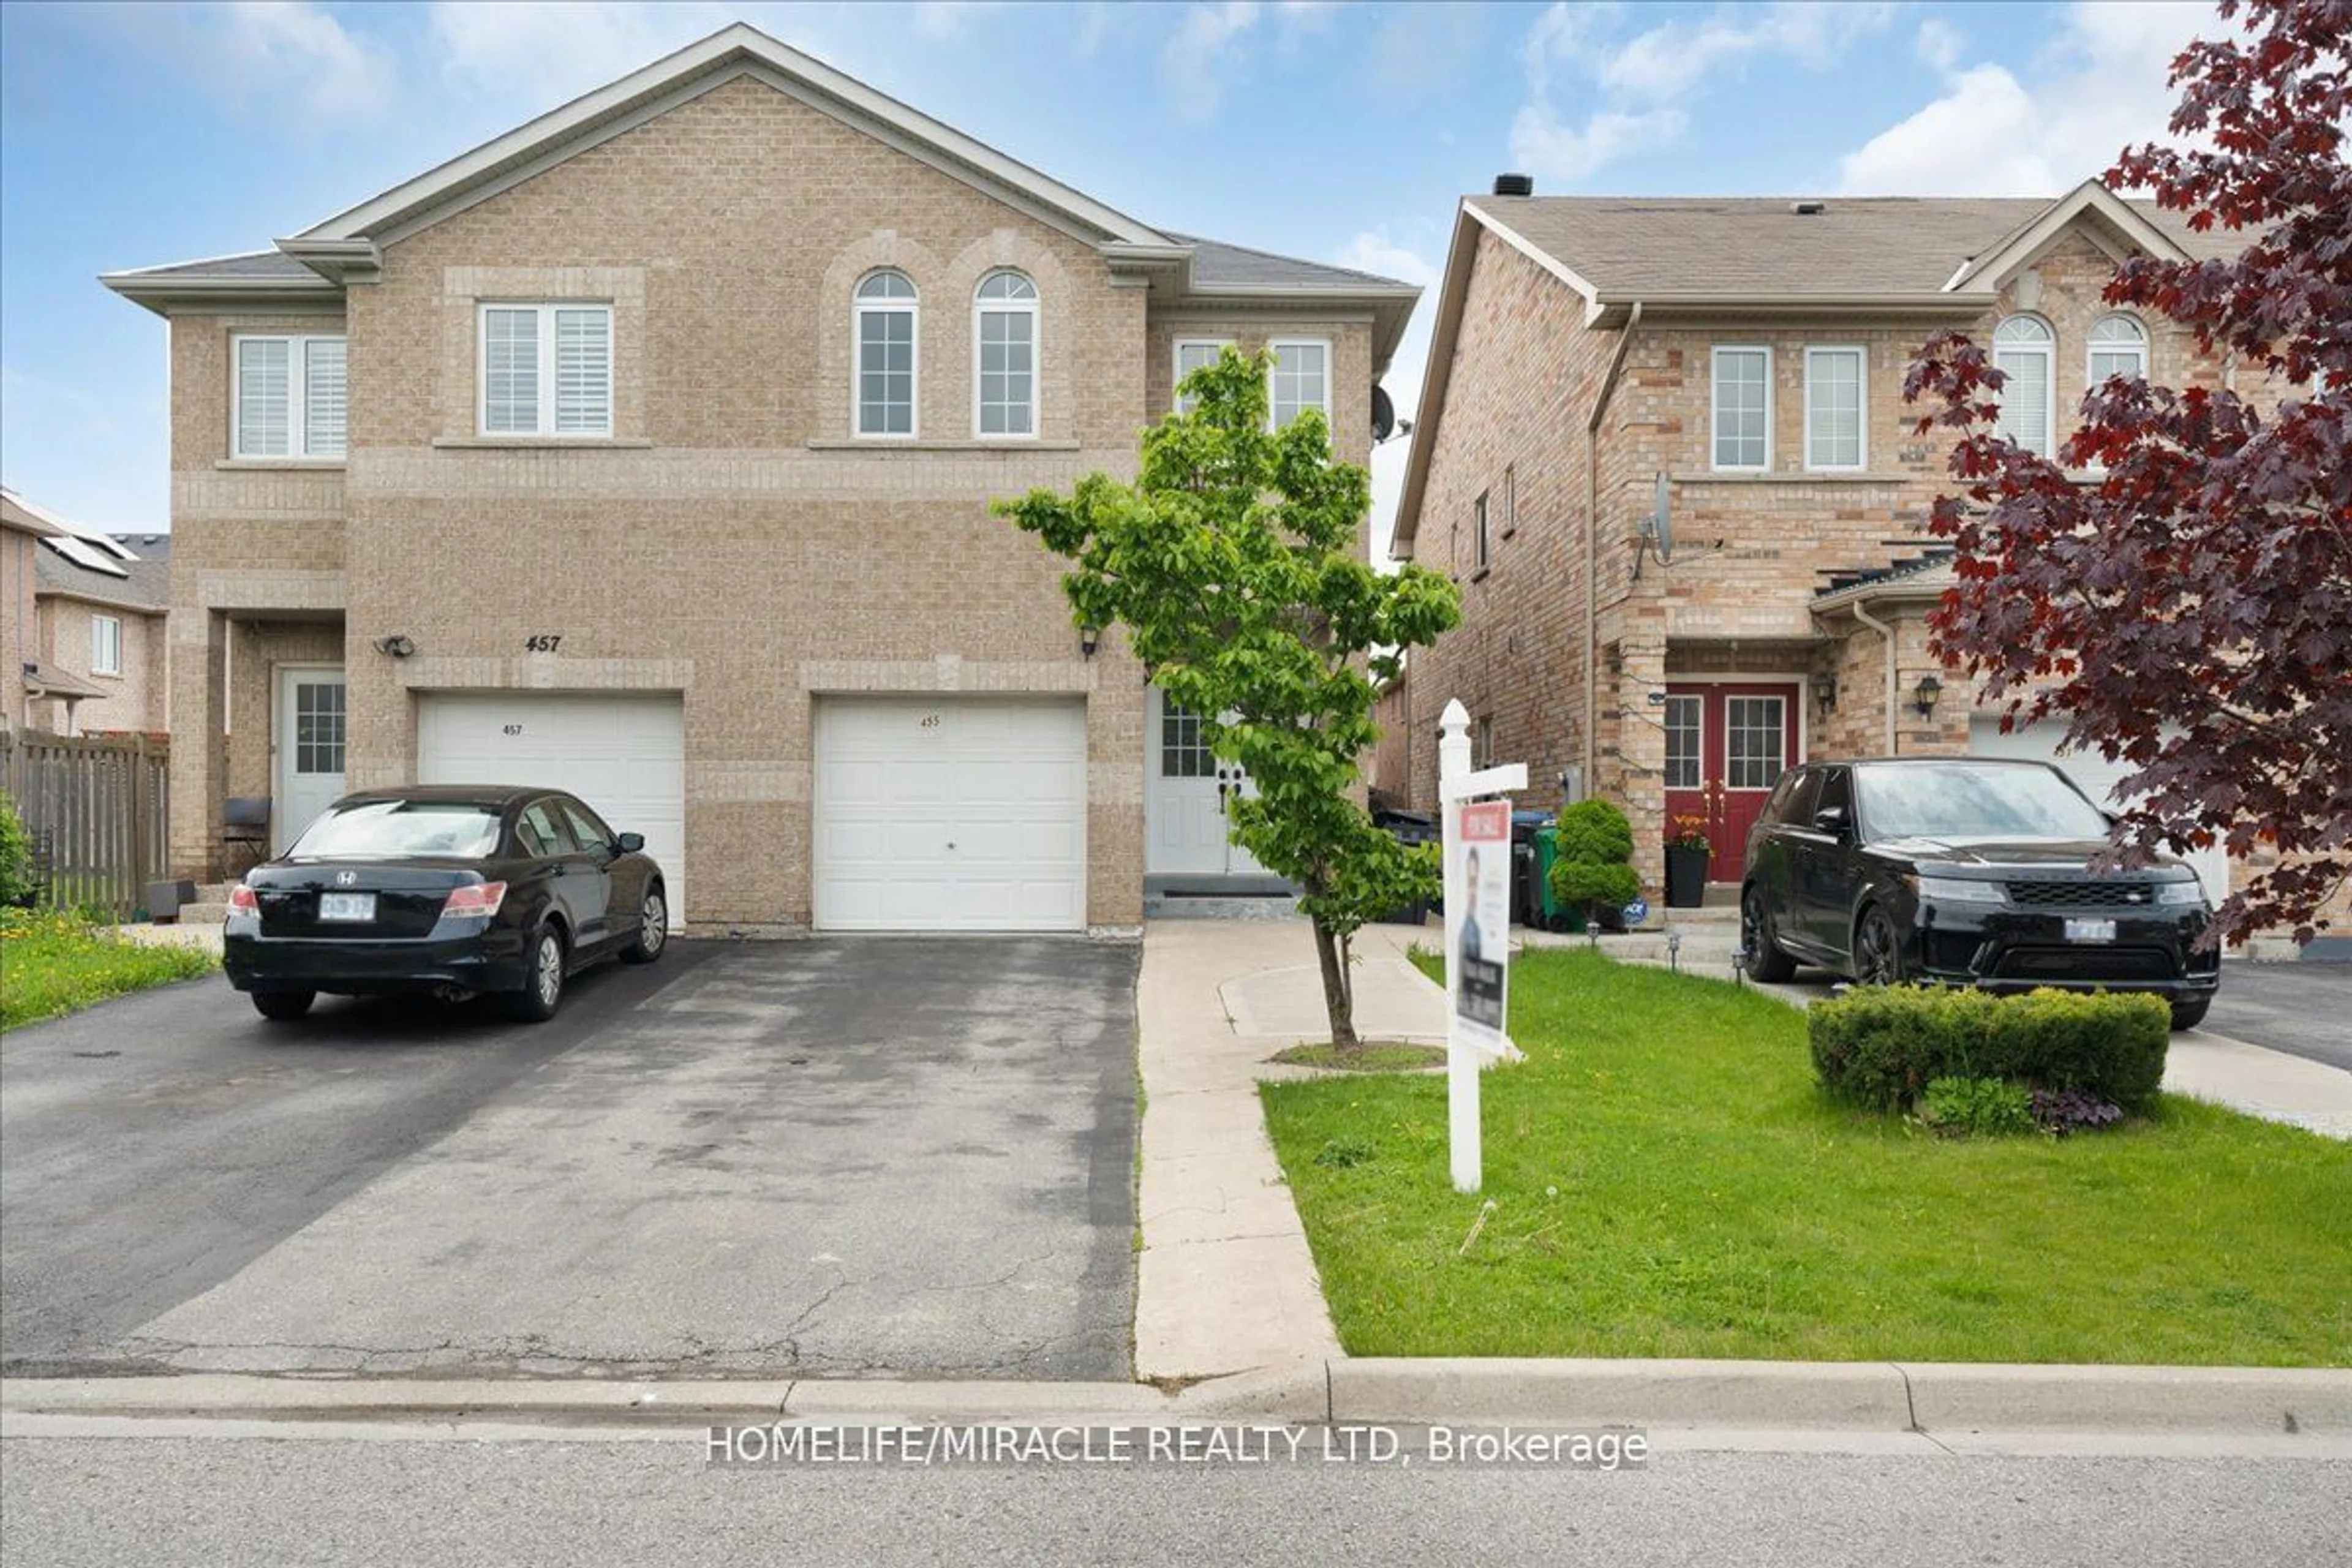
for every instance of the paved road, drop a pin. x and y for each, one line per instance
(152, 1500)
(823, 1157)
(2304, 1009)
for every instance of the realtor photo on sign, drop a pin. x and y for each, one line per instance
(1484, 943)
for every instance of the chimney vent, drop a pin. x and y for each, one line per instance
(1515, 184)
(1808, 209)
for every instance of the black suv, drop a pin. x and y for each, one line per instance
(1968, 871)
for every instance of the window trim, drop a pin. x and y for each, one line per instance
(1482, 538)
(98, 663)
(2048, 349)
(298, 396)
(1714, 391)
(1176, 370)
(1861, 352)
(1033, 308)
(544, 312)
(1274, 346)
(858, 311)
(2093, 347)
(1510, 500)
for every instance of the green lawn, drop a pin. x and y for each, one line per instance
(52, 964)
(1669, 1180)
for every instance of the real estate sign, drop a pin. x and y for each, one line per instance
(1477, 970)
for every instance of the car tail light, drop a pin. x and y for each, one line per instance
(481, 899)
(243, 901)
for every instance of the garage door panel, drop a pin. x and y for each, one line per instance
(950, 814)
(625, 755)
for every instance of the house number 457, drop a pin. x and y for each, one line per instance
(541, 642)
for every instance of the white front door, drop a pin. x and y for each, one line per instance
(950, 813)
(1188, 795)
(310, 736)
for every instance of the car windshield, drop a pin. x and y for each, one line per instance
(388, 829)
(1981, 801)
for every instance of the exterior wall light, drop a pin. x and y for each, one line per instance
(1923, 696)
(398, 646)
(1089, 639)
(1825, 692)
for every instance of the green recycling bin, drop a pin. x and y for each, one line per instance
(1555, 916)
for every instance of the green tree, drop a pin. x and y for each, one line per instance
(1232, 563)
(18, 884)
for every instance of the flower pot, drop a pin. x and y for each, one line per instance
(1686, 877)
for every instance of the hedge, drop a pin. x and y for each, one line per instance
(1882, 1046)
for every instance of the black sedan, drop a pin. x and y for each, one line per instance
(1964, 871)
(453, 890)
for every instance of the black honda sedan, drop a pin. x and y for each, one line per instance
(451, 891)
(1965, 870)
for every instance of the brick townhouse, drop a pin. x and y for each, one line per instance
(1734, 366)
(646, 451)
(82, 622)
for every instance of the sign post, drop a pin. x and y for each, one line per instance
(1478, 868)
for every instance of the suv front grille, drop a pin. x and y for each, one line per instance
(2086, 895)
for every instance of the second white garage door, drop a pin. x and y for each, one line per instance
(2092, 774)
(950, 814)
(625, 755)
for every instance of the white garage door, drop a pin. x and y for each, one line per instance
(2092, 774)
(950, 814)
(625, 756)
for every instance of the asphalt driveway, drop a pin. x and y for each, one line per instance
(821, 1158)
(2302, 1009)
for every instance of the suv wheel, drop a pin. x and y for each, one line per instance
(2189, 1015)
(1767, 965)
(1877, 949)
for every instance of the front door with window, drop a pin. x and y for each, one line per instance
(1191, 794)
(309, 749)
(1726, 746)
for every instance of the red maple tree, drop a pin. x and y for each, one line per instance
(2177, 582)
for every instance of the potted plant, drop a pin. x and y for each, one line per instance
(1595, 872)
(1686, 854)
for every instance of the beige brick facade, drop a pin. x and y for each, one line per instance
(732, 540)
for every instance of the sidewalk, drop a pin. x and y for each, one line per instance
(1226, 1282)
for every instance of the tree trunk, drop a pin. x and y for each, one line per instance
(1337, 1000)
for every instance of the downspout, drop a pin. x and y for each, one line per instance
(1861, 614)
(1592, 546)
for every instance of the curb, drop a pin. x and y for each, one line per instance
(1717, 1395)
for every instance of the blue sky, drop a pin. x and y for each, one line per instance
(135, 134)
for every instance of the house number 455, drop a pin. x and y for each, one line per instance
(541, 642)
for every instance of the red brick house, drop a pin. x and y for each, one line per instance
(1733, 367)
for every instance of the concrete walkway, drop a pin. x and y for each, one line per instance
(1226, 1282)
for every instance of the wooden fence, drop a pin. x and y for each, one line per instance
(98, 810)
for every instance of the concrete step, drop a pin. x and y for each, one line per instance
(1162, 907)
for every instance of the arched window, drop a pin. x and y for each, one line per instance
(1004, 356)
(2025, 349)
(885, 318)
(2119, 347)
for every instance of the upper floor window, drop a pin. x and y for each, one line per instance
(290, 397)
(1191, 354)
(1301, 379)
(1743, 408)
(2119, 347)
(1006, 363)
(547, 370)
(105, 645)
(885, 309)
(1834, 404)
(1481, 541)
(2025, 349)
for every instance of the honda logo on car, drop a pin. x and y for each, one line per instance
(347, 878)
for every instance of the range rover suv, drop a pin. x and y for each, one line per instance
(1968, 871)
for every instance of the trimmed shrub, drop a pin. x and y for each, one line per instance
(1882, 1046)
(17, 888)
(1594, 871)
(1984, 1107)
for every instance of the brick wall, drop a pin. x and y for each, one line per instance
(134, 697)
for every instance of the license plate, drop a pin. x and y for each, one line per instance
(2090, 931)
(361, 907)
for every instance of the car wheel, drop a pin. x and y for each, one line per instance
(283, 1007)
(2189, 1015)
(542, 982)
(1767, 965)
(1877, 951)
(652, 930)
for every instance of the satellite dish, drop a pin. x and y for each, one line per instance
(1661, 531)
(1383, 414)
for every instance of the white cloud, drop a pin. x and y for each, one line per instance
(2101, 88)
(948, 21)
(296, 41)
(556, 49)
(1939, 42)
(1641, 89)
(1199, 55)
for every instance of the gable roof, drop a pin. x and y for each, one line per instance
(1760, 256)
(139, 584)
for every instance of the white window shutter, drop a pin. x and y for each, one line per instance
(264, 407)
(511, 370)
(324, 401)
(584, 373)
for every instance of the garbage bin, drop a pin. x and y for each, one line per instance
(1526, 892)
(1408, 827)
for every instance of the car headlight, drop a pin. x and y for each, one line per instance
(1952, 891)
(2189, 892)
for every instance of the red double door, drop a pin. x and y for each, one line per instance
(1726, 745)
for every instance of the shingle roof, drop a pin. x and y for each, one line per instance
(146, 584)
(1637, 247)
(1218, 264)
(266, 264)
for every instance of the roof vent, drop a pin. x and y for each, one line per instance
(1515, 184)
(1808, 209)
